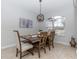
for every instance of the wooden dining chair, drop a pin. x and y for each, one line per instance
(44, 34)
(21, 47)
(41, 44)
(51, 36)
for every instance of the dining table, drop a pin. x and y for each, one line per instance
(30, 38)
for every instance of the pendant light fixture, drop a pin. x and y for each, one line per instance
(40, 17)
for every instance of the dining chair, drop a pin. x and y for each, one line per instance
(21, 47)
(41, 44)
(51, 36)
(44, 34)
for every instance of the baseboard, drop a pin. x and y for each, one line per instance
(8, 46)
(64, 43)
(12, 45)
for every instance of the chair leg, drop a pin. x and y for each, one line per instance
(44, 50)
(39, 52)
(20, 55)
(49, 46)
(16, 52)
(52, 44)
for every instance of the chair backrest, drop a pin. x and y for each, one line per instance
(51, 35)
(18, 44)
(42, 40)
(43, 33)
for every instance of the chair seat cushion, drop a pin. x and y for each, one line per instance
(26, 46)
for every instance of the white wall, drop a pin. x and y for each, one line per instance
(11, 12)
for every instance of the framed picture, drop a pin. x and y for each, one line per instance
(25, 23)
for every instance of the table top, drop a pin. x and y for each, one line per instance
(32, 39)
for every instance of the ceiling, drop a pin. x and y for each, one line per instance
(48, 6)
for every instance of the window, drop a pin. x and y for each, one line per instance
(58, 23)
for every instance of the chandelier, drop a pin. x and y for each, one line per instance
(40, 17)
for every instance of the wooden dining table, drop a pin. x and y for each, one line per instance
(30, 39)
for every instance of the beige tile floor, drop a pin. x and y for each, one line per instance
(58, 52)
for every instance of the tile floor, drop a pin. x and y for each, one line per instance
(58, 52)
